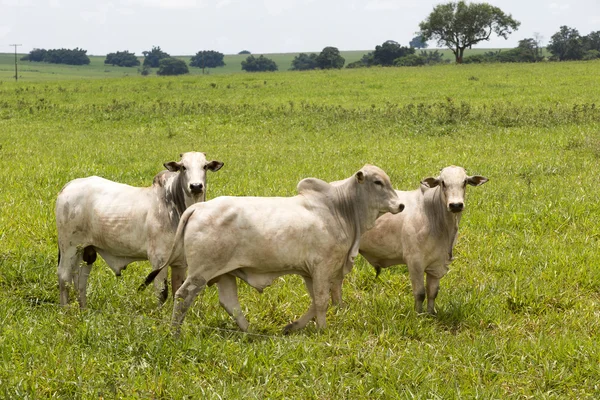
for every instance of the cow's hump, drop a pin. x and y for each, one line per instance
(313, 185)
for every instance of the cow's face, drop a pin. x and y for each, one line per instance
(192, 169)
(382, 197)
(453, 182)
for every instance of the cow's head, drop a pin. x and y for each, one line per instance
(453, 182)
(382, 197)
(192, 173)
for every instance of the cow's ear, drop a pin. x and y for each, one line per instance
(476, 180)
(430, 182)
(173, 166)
(214, 165)
(360, 177)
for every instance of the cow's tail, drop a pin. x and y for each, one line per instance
(175, 250)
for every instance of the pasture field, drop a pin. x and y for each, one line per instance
(36, 72)
(518, 313)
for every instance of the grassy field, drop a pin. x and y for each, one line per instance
(36, 72)
(518, 313)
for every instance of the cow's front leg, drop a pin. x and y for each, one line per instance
(433, 287)
(228, 298)
(161, 287)
(321, 291)
(336, 290)
(183, 300)
(416, 271)
(308, 316)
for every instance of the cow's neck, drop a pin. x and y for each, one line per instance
(179, 199)
(443, 223)
(352, 219)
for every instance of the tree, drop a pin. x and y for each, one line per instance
(244, 52)
(207, 59)
(566, 44)
(411, 60)
(461, 25)
(122, 59)
(262, 63)
(330, 58)
(36, 55)
(304, 62)
(152, 58)
(390, 51)
(418, 42)
(591, 41)
(172, 66)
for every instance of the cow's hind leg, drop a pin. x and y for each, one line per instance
(81, 274)
(177, 278)
(161, 287)
(183, 300)
(68, 261)
(228, 298)
(433, 287)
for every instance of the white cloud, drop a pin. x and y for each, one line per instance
(16, 3)
(54, 4)
(4, 30)
(223, 3)
(167, 4)
(277, 7)
(379, 5)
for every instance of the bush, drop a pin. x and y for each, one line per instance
(75, 56)
(260, 64)
(122, 59)
(152, 58)
(411, 60)
(591, 55)
(304, 62)
(172, 66)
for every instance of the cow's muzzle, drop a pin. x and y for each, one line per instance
(196, 188)
(456, 207)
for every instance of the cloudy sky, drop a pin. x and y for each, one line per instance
(183, 27)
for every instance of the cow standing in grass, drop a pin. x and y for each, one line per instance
(257, 239)
(123, 223)
(423, 236)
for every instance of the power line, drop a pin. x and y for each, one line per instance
(16, 72)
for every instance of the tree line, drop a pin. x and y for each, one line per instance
(454, 25)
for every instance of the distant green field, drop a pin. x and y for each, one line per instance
(34, 72)
(518, 313)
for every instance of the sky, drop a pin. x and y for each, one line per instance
(184, 27)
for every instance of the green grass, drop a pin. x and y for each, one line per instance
(518, 312)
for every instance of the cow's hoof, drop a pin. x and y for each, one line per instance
(289, 328)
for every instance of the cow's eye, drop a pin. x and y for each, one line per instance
(443, 184)
(378, 183)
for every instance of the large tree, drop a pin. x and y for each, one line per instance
(304, 62)
(152, 58)
(390, 51)
(207, 59)
(418, 42)
(330, 58)
(461, 25)
(566, 44)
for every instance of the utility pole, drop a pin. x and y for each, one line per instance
(16, 72)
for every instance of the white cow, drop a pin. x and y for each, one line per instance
(123, 223)
(257, 239)
(423, 236)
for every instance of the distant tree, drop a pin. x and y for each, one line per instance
(304, 62)
(258, 64)
(207, 59)
(152, 58)
(461, 25)
(418, 42)
(122, 59)
(172, 66)
(330, 58)
(244, 52)
(433, 57)
(591, 41)
(591, 55)
(566, 44)
(390, 51)
(411, 60)
(74, 56)
(36, 55)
